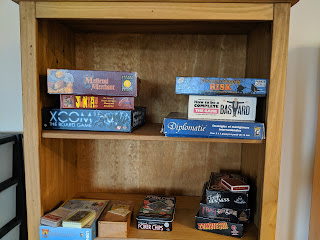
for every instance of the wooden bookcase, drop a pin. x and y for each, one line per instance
(159, 40)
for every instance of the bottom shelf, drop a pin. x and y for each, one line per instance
(183, 224)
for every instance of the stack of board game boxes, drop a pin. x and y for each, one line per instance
(224, 205)
(218, 108)
(93, 101)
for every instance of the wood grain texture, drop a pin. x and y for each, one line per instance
(252, 160)
(203, 1)
(314, 231)
(154, 10)
(152, 167)
(159, 58)
(31, 115)
(183, 224)
(275, 121)
(148, 132)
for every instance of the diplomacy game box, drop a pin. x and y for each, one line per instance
(93, 120)
(221, 86)
(63, 81)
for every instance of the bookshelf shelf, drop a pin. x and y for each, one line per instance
(148, 132)
(183, 224)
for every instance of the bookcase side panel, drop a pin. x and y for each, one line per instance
(57, 156)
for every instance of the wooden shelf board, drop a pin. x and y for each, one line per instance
(184, 220)
(148, 132)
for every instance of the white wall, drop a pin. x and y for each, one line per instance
(302, 95)
(10, 68)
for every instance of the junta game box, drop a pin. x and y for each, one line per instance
(95, 102)
(108, 83)
(221, 86)
(219, 227)
(222, 108)
(93, 120)
(156, 213)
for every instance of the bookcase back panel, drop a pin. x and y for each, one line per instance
(159, 58)
(179, 168)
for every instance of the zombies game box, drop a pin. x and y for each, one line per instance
(219, 227)
(96, 102)
(222, 108)
(156, 213)
(93, 120)
(63, 81)
(221, 86)
(178, 125)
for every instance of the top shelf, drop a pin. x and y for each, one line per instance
(148, 132)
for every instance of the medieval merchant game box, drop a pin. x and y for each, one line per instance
(222, 108)
(63, 81)
(178, 125)
(221, 86)
(93, 120)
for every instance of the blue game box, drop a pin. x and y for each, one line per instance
(93, 120)
(63, 233)
(221, 86)
(177, 125)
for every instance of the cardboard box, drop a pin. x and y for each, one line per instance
(96, 102)
(64, 81)
(222, 108)
(93, 120)
(221, 86)
(178, 125)
(114, 225)
(219, 227)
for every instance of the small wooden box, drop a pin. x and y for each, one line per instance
(113, 225)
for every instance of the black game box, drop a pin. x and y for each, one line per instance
(219, 227)
(156, 213)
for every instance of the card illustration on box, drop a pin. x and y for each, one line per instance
(95, 102)
(178, 125)
(219, 227)
(110, 83)
(222, 108)
(221, 86)
(93, 120)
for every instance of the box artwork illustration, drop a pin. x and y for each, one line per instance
(63, 81)
(221, 86)
(93, 120)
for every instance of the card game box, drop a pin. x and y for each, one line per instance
(221, 86)
(109, 83)
(178, 125)
(219, 227)
(156, 213)
(93, 120)
(222, 108)
(224, 214)
(96, 102)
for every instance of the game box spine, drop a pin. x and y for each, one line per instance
(96, 102)
(108, 83)
(222, 108)
(182, 127)
(93, 120)
(219, 227)
(221, 86)
(154, 225)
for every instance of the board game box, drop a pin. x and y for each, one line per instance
(156, 213)
(221, 86)
(93, 120)
(219, 227)
(178, 125)
(224, 214)
(109, 83)
(222, 108)
(96, 102)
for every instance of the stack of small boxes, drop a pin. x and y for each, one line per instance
(224, 205)
(93, 101)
